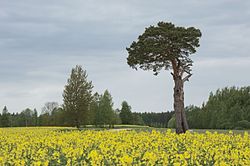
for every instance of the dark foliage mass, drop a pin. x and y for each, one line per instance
(160, 45)
(228, 108)
(154, 119)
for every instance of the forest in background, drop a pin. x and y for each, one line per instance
(227, 108)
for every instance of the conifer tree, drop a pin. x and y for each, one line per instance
(168, 47)
(5, 119)
(106, 108)
(126, 114)
(77, 97)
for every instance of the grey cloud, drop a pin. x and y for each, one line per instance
(40, 41)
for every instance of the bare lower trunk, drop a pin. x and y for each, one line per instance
(77, 124)
(181, 121)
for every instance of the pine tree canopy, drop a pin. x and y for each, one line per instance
(159, 46)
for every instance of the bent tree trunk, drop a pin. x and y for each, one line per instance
(181, 121)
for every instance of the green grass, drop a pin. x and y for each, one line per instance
(147, 128)
(131, 127)
(93, 127)
(138, 128)
(116, 126)
(199, 130)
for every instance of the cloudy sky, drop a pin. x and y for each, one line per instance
(42, 40)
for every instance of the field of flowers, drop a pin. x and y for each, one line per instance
(51, 146)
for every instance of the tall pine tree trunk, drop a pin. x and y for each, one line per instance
(181, 121)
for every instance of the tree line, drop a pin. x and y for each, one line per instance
(82, 107)
(227, 108)
(53, 114)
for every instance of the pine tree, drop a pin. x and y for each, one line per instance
(168, 47)
(77, 97)
(106, 109)
(95, 112)
(5, 119)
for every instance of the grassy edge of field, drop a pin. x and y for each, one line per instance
(137, 128)
(148, 128)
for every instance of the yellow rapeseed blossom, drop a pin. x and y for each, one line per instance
(55, 146)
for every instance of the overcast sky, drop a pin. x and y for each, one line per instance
(42, 40)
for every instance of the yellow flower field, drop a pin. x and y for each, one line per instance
(50, 146)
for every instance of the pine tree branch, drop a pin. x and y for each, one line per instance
(186, 78)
